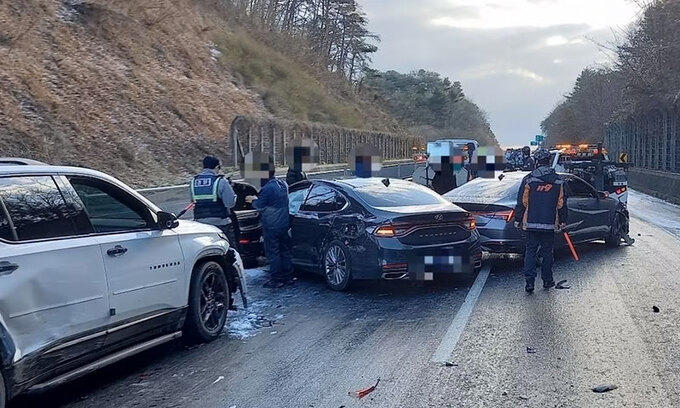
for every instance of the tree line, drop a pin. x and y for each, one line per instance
(643, 77)
(431, 106)
(335, 31)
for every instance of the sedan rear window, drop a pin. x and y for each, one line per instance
(397, 194)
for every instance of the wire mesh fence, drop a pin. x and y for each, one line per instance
(650, 140)
(335, 143)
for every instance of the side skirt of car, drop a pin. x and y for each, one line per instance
(70, 358)
(103, 362)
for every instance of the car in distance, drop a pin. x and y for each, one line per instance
(593, 215)
(91, 272)
(372, 228)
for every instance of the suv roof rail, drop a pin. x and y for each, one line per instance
(18, 161)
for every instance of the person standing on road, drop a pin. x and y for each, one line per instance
(541, 211)
(214, 199)
(528, 164)
(295, 175)
(272, 204)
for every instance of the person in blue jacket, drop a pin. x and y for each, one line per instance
(272, 204)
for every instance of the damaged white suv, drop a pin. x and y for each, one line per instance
(91, 272)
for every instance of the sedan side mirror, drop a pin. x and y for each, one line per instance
(602, 195)
(167, 220)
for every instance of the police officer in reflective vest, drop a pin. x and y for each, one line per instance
(214, 199)
(541, 211)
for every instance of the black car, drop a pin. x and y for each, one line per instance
(249, 224)
(376, 228)
(593, 215)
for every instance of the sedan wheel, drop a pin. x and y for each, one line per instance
(617, 231)
(336, 266)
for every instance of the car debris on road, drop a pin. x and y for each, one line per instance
(604, 388)
(365, 391)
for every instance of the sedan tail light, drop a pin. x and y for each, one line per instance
(384, 231)
(506, 215)
(471, 224)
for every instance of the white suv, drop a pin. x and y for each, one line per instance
(91, 272)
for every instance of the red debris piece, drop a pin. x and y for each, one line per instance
(364, 392)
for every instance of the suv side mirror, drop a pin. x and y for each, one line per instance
(167, 220)
(602, 195)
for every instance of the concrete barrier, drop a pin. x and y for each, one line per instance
(660, 184)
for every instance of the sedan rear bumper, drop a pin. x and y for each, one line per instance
(422, 264)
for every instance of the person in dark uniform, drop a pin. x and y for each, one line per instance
(295, 175)
(444, 180)
(272, 203)
(214, 199)
(541, 211)
(528, 163)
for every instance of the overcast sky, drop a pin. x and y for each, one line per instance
(515, 58)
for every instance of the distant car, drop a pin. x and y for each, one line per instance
(592, 215)
(376, 228)
(91, 272)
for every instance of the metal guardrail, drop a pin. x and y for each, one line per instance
(402, 169)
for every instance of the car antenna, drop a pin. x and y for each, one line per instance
(386, 182)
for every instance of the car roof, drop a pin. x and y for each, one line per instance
(366, 182)
(19, 161)
(47, 169)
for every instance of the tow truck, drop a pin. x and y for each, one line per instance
(591, 162)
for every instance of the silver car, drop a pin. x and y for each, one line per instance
(593, 215)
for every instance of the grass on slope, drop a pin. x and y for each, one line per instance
(287, 89)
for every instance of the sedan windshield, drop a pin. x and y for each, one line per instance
(397, 194)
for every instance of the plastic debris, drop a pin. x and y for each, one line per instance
(450, 364)
(220, 378)
(656, 309)
(561, 285)
(531, 350)
(365, 391)
(604, 388)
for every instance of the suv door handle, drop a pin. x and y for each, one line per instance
(7, 268)
(116, 251)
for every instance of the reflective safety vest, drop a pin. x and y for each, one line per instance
(204, 194)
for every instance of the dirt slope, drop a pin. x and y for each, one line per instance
(138, 89)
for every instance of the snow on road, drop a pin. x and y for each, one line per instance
(654, 211)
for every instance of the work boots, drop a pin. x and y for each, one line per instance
(529, 286)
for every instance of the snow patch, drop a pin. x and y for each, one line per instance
(246, 323)
(214, 52)
(655, 211)
(68, 11)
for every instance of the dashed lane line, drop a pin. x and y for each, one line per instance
(455, 330)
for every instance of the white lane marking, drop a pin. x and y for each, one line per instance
(448, 343)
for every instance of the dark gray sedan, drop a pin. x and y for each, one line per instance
(593, 215)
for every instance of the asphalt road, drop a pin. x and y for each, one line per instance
(306, 346)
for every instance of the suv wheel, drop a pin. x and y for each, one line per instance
(336, 266)
(209, 301)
